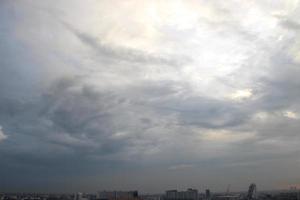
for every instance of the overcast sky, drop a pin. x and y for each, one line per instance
(149, 95)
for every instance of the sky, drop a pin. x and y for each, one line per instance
(149, 95)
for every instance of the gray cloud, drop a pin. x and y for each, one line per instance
(82, 105)
(289, 24)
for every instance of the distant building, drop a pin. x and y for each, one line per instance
(226, 197)
(207, 194)
(118, 195)
(151, 197)
(171, 195)
(288, 196)
(190, 194)
(79, 196)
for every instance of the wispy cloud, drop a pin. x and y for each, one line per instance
(2, 135)
(181, 167)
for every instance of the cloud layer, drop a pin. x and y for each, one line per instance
(154, 95)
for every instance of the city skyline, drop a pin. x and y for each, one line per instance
(149, 95)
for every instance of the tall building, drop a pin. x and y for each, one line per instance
(171, 195)
(118, 195)
(207, 194)
(192, 194)
(189, 194)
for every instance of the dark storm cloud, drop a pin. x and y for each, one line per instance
(70, 123)
(61, 116)
(68, 130)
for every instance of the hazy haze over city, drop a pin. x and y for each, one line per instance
(149, 95)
